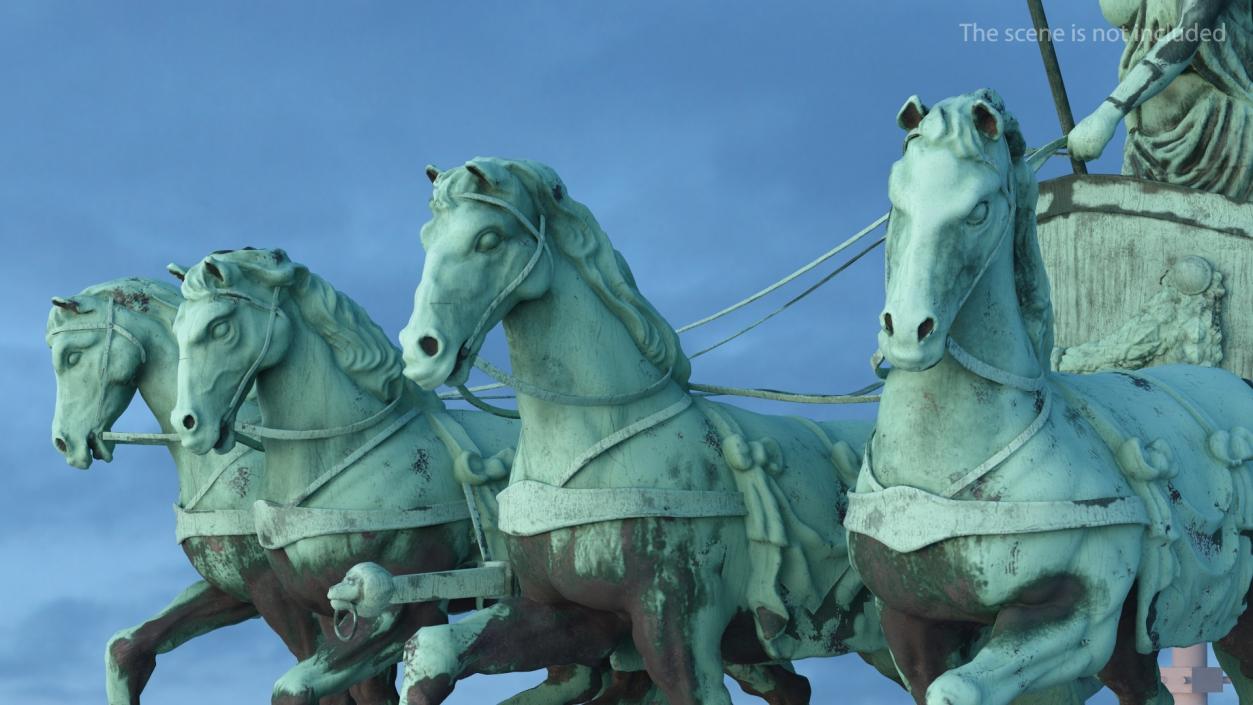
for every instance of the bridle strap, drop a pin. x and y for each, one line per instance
(242, 390)
(519, 385)
(110, 326)
(540, 235)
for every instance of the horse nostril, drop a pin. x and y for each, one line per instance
(925, 328)
(887, 323)
(189, 422)
(429, 345)
(60, 444)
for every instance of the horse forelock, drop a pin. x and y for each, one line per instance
(575, 233)
(150, 298)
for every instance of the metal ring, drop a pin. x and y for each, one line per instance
(351, 611)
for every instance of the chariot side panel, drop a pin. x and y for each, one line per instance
(1113, 243)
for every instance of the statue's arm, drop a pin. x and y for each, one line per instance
(1169, 57)
(1150, 76)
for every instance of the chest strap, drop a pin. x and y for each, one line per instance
(218, 522)
(528, 507)
(906, 519)
(279, 526)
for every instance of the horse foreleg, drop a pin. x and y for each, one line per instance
(922, 648)
(1032, 646)
(375, 646)
(777, 684)
(131, 655)
(564, 685)
(680, 637)
(512, 635)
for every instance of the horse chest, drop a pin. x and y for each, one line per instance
(228, 563)
(937, 581)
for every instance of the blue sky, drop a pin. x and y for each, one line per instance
(720, 144)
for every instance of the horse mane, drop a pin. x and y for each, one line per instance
(574, 232)
(950, 123)
(360, 347)
(146, 297)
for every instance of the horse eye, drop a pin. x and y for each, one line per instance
(488, 241)
(220, 329)
(978, 214)
(73, 358)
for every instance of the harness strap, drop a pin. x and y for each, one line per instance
(110, 326)
(541, 247)
(280, 526)
(354, 456)
(1003, 454)
(991, 373)
(469, 396)
(459, 444)
(242, 390)
(228, 463)
(530, 390)
(284, 434)
(528, 508)
(906, 519)
(217, 522)
(626, 432)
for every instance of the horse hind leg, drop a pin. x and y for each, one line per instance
(131, 656)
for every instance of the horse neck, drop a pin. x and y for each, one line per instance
(568, 341)
(158, 387)
(159, 375)
(923, 414)
(307, 389)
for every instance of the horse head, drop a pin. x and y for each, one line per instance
(232, 326)
(499, 231)
(960, 192)
(97, 339)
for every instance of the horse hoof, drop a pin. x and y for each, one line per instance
(954, 690)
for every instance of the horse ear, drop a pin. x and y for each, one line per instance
(911, 113)
(70, 305)
(987, 120)
(211, 267)
(180, 273)
(479, 173)
(432, 173)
